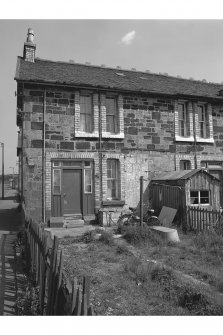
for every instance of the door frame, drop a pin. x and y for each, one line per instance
(80, 167)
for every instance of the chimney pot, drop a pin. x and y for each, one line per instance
(30, 36)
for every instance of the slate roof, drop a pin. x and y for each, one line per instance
(181, 175)
(72, 74)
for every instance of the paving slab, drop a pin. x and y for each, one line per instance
(10, 224)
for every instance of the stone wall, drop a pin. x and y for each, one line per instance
(148, 147)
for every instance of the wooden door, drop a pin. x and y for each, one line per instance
(72, 192)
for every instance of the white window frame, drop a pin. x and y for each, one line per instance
(199, 198)
(194, 122)
(120, 116)
(117, 186)
(95, 115)
(57, 169)
(85, 170)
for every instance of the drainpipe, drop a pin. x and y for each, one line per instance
(43, 160)
(195, 139)
(100, 145)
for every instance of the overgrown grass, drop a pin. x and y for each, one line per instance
(136, 235)
(106, 237)
(190, 299)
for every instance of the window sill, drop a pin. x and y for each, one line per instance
(84, 134)
(110, 135)
(191, 139)
(113, 202)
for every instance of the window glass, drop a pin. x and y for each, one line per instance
(56, 181)
(202, 118)
(194, 200)
(56, 163)
(199, 197)
(88, 181)
(111, 115)
(185, 165)
(112, 179)
(182, 117)
(204, 197)
(86, 117)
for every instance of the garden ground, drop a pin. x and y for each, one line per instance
(148, 276)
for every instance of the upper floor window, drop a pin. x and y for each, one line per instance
(182, 117)
(86, 113)
(203, 121)
(112, 179)
(111, 115)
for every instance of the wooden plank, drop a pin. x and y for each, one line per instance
(79, 303)
(60, 271)
(86, 288)
(50, 277)
(84, 305)
(74, 296)
(54, 277)
(90, 311)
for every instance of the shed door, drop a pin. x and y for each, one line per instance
(72, 191)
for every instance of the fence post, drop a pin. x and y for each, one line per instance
(53, 259)
(59, 281)
(141, 200)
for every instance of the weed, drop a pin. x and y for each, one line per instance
(28, 302)
(136, 235)
(89, 237)
(122, 249)
(106, 237)
(137, 270)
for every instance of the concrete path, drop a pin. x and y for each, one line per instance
(10, 224)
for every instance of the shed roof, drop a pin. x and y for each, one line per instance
(45, 71)
(181, 175)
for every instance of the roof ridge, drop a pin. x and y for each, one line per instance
(129, 70)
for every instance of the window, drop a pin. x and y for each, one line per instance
(202, 119)
(111, 115)
(86, 115)
(56, 181)
(112, 179)
(87, 181)
(182, 116)
(199, 197)
(185, 165)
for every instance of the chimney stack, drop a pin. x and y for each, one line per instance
(29, 47)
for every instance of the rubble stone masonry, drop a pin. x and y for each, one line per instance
(148, 147)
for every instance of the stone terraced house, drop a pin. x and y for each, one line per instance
(87, 133)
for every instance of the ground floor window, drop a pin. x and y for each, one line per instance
(112, 179)
(201, 197)
(56, 181)
(185, 165)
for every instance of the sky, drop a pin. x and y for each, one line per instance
(189, 48)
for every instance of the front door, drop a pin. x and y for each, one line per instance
(71, 196)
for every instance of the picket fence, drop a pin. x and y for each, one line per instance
(57, 295)
(202, 219)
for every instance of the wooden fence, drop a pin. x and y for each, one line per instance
(57, 295)
(201, 219)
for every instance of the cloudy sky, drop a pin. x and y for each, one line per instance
(190, 48)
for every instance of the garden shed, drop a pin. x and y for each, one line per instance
(180, 189)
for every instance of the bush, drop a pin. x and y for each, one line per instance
(136, 235)
(106, 237)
